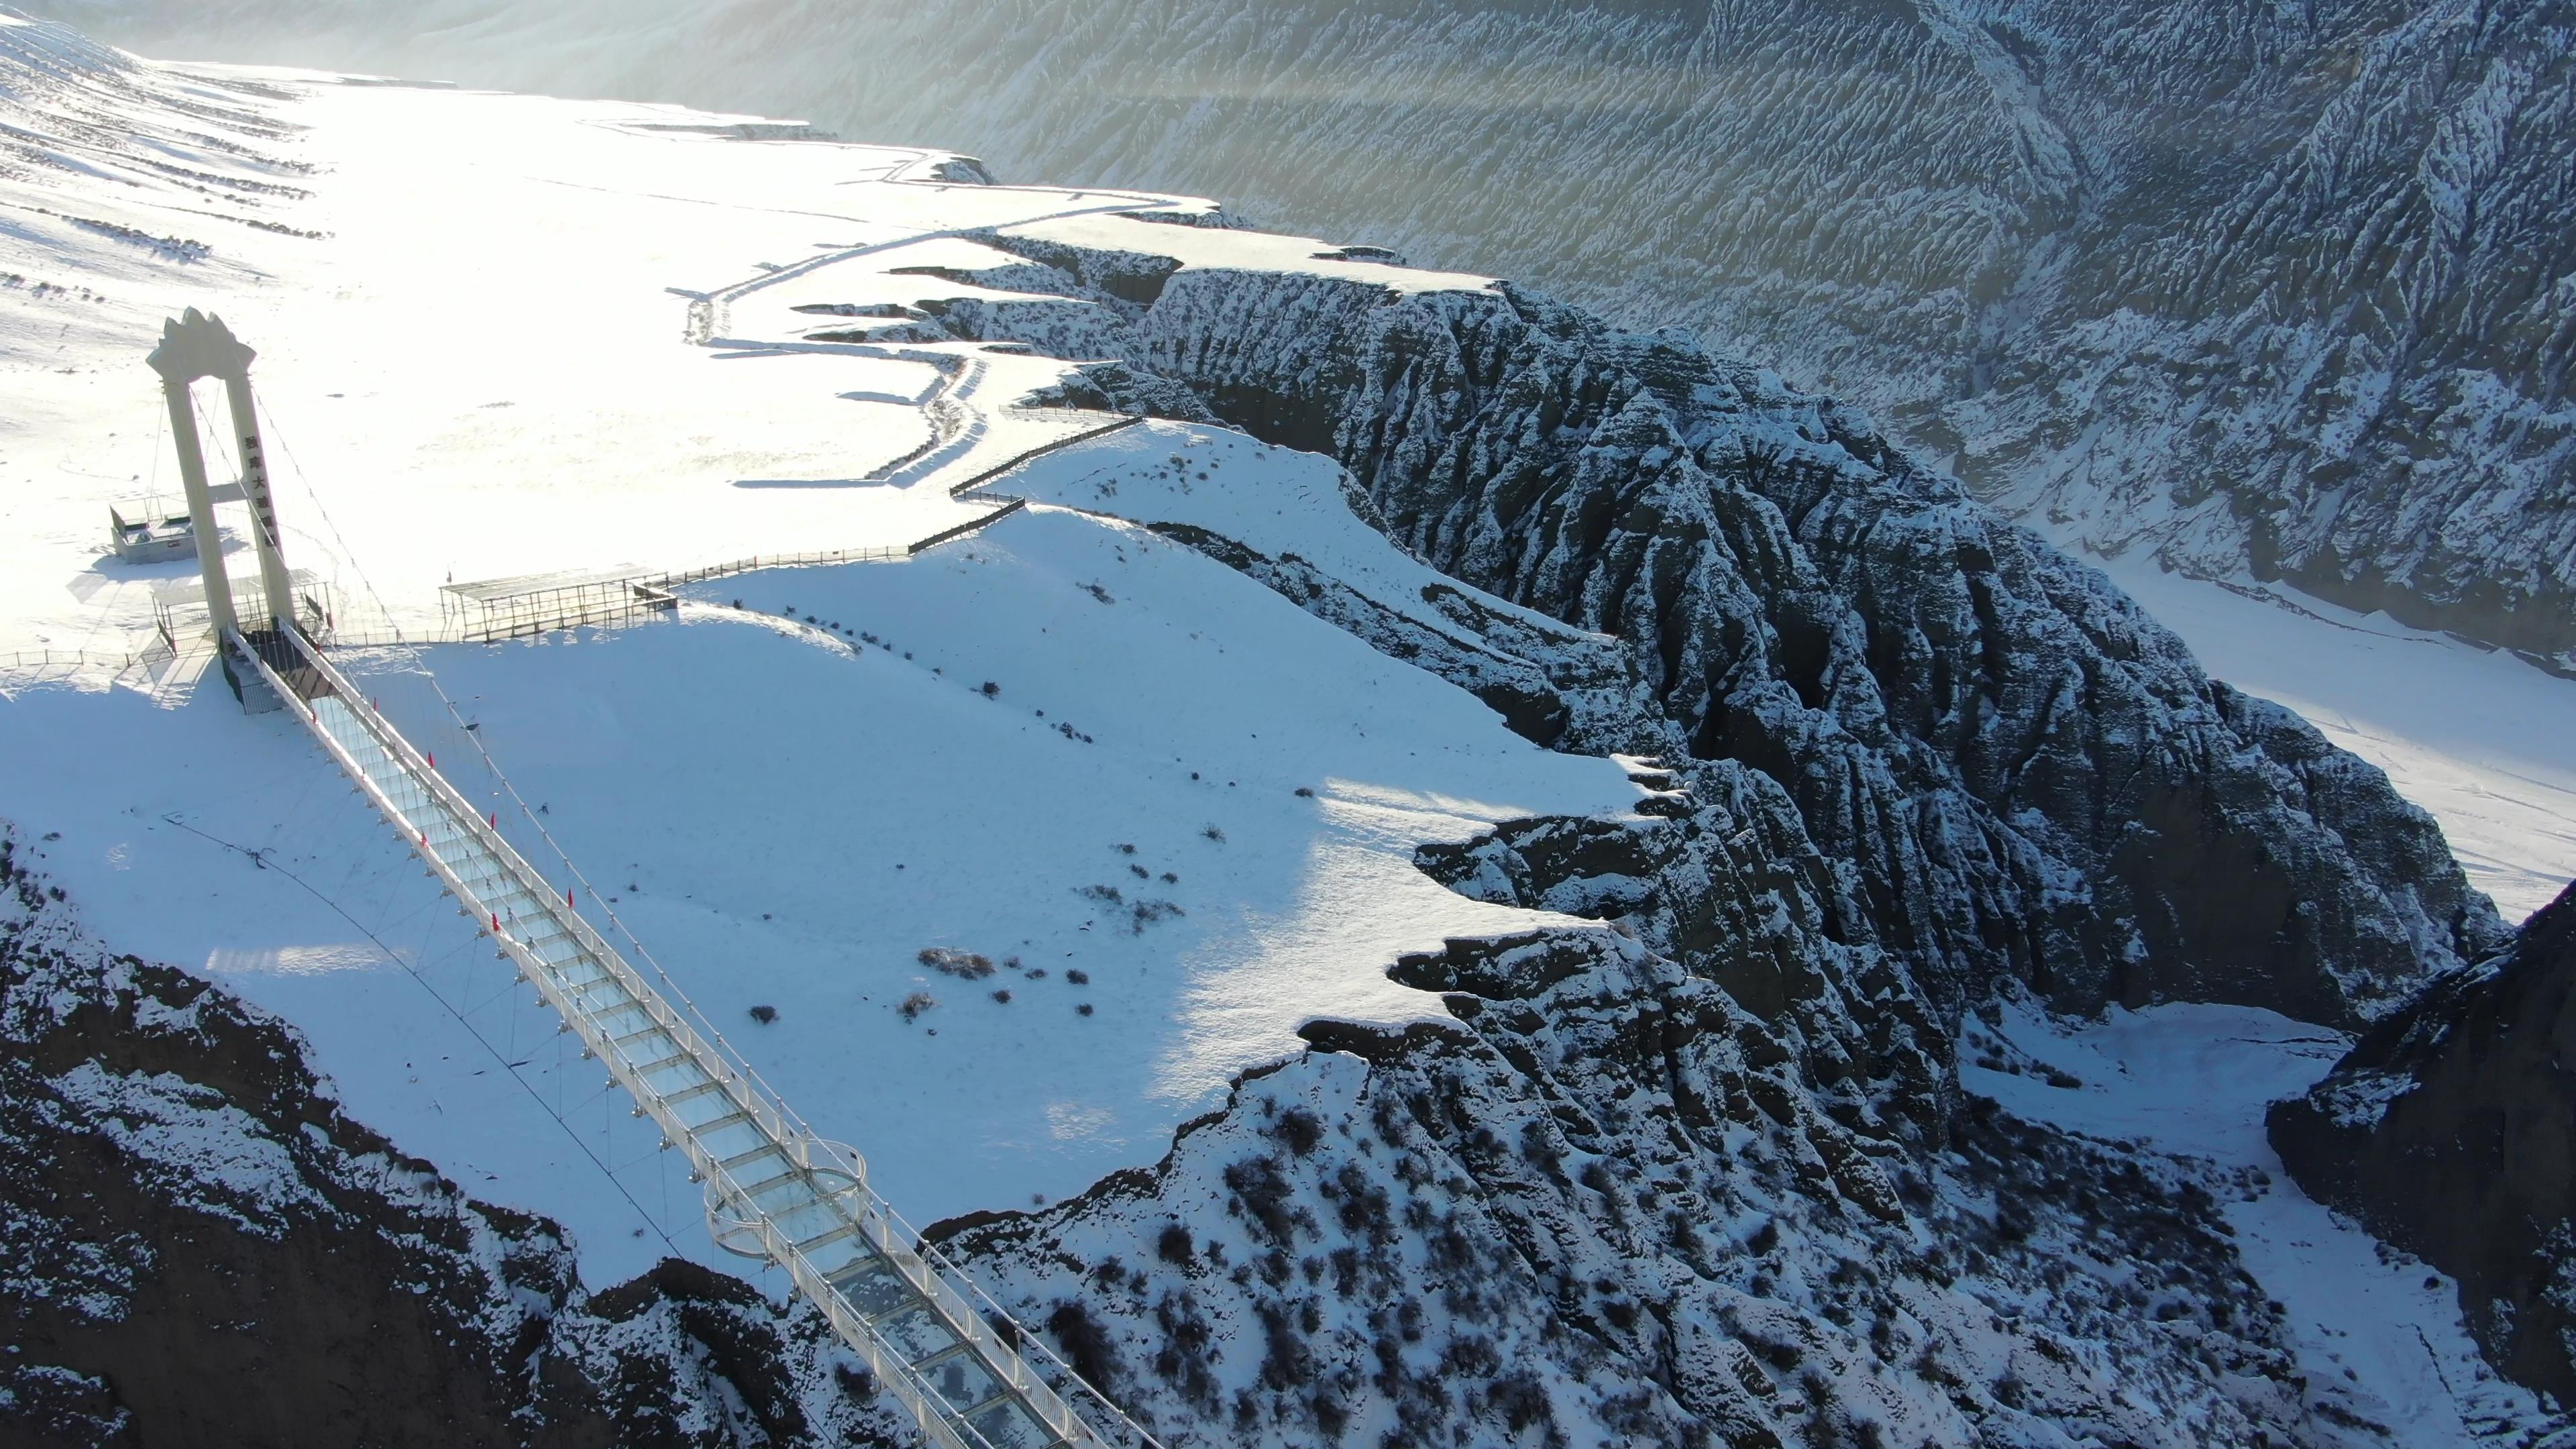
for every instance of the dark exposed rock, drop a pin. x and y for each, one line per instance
(1612, 1207)
(2450, 1130)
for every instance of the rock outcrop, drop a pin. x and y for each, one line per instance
(1612, 1206)
(2006, 770)
(2451, 1131)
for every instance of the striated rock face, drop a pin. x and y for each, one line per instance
(2451, 1131)
(2289, 287)
(201, 1249)
(1705, 1176)
(2007, 770)
(1609, 1209)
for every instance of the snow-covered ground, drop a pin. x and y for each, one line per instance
(789, 815)
(483, 365)
(2379, 1333)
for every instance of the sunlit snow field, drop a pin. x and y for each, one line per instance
(787, 815)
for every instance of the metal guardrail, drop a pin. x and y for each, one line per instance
(619, 600)
(775, 1189)
(69, 659)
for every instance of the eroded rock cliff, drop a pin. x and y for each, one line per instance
(2006, 769)
(2451, 1131)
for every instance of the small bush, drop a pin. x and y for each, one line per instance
(1140, 872)
(1303, 793)
(1170, 879)
(1082, 1008)
(1003, 996)
(1214, 834)
(991, 690)
(915, 1004)
(965, 965)
(1174, 1244)
(1124, 849)
(1078, 976)
(764, 1014)
(1300, 1129)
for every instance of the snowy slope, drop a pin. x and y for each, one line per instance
(799, 814)
(412, 341)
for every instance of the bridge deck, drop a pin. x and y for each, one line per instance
(775, 1190)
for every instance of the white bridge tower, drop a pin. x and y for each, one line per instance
(199, 345)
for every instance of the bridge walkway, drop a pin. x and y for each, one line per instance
(775, 1189)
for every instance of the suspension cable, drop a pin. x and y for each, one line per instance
(262, 858)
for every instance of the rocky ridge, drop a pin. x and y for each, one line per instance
(1990, 763)
(1838, 669)
(2448, 1131)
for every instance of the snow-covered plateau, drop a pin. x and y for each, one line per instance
(1400, 865)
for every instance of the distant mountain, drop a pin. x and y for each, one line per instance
(2288, 289)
